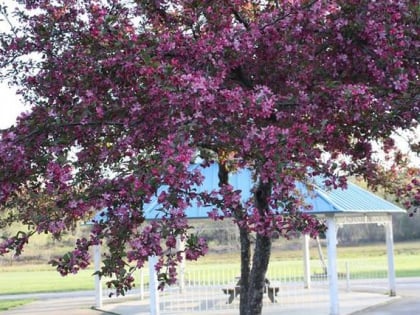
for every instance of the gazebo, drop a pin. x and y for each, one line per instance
(353, 205)
(338, 207)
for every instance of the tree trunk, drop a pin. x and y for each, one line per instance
(252, 281)
(245, 269)
(244, 237)
(261, 257)
(260, 261)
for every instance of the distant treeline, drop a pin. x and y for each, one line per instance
(405, 228)
(221, 236)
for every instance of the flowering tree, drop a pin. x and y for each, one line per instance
(124, 95)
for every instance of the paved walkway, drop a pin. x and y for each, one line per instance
(408, 304)
(366, 300)
(349, 303)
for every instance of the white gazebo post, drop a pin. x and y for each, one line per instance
(390, 253)
(332, 264)
(306, 263)
(153, 286)
(98, 284)
(180, 247)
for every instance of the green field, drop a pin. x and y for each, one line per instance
(23, 281)
(363, 262)
(9, 304)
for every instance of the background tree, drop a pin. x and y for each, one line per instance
(400, 179)
(397, 178)
(126, 94)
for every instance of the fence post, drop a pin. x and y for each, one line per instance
(306, 263)
(141, 284)
(98, 282)
(180, 247)
(347, 277)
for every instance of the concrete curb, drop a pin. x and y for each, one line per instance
(373, 307)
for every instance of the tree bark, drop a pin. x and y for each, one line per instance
(260, 261)
(252, 281)
(245, 241)
(245, 269)
(261, 256)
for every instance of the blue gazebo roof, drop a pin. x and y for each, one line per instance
(354, 199)
(240, 180)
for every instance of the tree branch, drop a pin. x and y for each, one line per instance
(238, 74)
(240, 19)
(308, 5)
(52, 127)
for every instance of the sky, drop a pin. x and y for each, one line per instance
(10, 106)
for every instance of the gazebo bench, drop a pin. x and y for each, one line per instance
(233, 292)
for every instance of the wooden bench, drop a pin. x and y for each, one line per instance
(272, 292)
(233, 292)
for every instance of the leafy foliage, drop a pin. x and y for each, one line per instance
(126, 94)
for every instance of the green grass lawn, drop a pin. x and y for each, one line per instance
(363, 261)
(41, 279)
(20, 281)
(9, 304)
